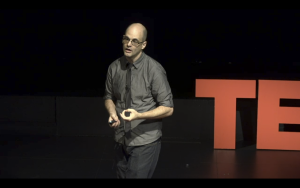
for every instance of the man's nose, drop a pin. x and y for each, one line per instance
(129, 43)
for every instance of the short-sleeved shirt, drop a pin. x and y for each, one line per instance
(149, 89)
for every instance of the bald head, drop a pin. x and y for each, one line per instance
(132, 50)
(138, 28)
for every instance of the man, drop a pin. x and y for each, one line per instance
(137, 97)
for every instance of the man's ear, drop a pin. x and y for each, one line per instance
(144, 45)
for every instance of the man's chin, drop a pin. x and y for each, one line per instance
(128, 54)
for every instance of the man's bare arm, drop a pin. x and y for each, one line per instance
(110, 107)
(157, 113)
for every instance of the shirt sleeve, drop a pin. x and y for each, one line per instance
(108, 94)
(161, 89)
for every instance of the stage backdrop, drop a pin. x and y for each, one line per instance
(192, 120)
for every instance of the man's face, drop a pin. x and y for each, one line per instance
(133, 48)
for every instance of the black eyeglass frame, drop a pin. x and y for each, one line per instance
(134, 42)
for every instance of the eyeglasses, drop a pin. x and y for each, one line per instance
(134, 42)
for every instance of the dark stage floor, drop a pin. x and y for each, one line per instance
(92, 157)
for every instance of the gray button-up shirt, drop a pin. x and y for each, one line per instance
(149, 89)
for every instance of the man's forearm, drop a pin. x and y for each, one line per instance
(157, 113)
(110, 107)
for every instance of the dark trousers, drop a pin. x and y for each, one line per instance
(137, 161)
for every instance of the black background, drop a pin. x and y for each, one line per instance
(67, 52)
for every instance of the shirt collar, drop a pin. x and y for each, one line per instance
(138, 62)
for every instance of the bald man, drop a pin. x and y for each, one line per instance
(137, 97)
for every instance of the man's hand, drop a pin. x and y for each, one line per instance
(133, 115)
(116, 119)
